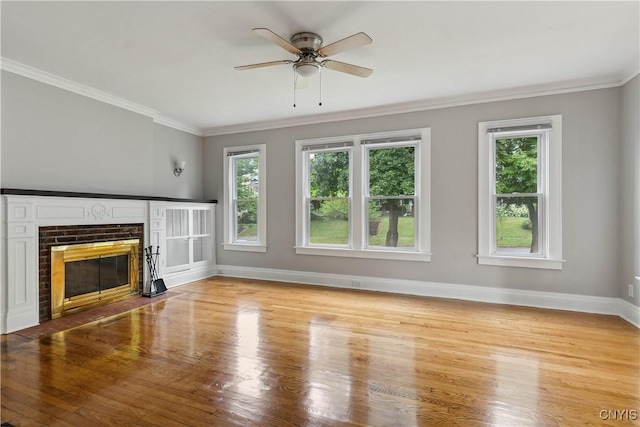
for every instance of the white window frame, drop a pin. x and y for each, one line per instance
(549, 187)
(229, 154)
(358, 220)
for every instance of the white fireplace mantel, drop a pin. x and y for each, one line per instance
(22, 215)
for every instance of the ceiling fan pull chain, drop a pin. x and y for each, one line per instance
(320, 79)
(295, 80)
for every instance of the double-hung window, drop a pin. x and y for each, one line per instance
(245, 216)
(328, 194)
(364, 196)
(389, 191)
(519, 188)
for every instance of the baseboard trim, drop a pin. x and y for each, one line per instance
(549, 300)
(629, 312)
(12, 322)
(172, 280)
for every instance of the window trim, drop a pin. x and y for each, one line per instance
(550, 185)
(358, 247)
(229, 153)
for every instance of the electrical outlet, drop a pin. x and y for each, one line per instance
(356, 284)
(630, 290)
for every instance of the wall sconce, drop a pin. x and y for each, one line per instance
(179, 167)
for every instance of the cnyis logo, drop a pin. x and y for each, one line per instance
(619, 414)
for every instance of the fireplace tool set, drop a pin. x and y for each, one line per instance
(157, 286)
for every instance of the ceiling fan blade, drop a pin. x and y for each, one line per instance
(273, 37)
(351, 42)
(347, 68)
(262, 64)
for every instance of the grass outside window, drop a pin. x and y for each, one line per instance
(512, 231)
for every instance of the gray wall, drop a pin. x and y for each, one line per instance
(630, 190)
(171, 145)
(591, 195)
(53, 139)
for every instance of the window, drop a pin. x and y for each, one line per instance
(364, 196)
(329, 196)
(519, 188)
(245, 216)
(390, 193)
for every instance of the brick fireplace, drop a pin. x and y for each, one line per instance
(52, 236)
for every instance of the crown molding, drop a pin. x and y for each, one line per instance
(71, 86)
(424, 105)
(166, 121)
(80, 89)
(627, 77)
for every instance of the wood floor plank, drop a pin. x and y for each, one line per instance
(231, 352)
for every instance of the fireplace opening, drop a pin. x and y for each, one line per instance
(91, 274)
(95, 275)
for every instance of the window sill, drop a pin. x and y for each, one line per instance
(244, 247)
(512, 261)
(371, 254)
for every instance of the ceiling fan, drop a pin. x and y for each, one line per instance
(309, 50)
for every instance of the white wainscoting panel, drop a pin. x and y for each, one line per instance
(20, 211)
(21, 306)
(76, 213)
(119, 212)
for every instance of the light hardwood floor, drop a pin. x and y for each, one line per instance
(230, 352)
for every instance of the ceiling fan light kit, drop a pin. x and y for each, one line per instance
(305, 69)
(308, 48)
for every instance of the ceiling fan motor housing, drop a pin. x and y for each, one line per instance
(306, 42)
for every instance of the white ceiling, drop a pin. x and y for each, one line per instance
(177, 58)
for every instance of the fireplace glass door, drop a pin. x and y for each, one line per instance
(95, 275)
(90, 274)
